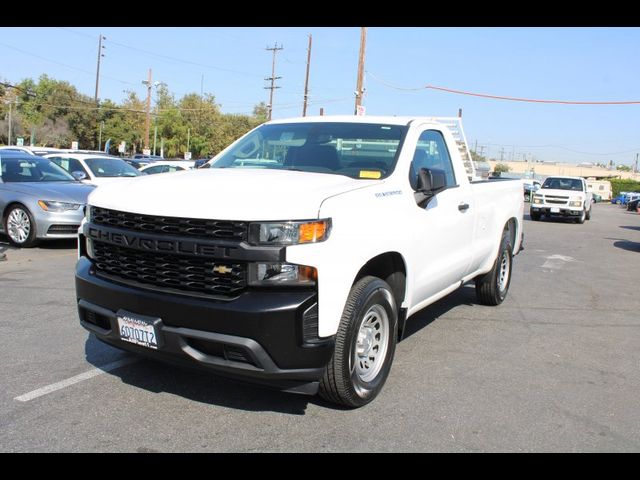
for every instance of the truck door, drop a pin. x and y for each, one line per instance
(443, 230)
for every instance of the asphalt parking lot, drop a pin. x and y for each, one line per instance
(554, 368)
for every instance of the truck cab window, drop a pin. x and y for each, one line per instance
(431, 152)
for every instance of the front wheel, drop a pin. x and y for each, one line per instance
(20, 227)
(582, 217)
(588, 214)
(535, 216)
(492, 287)
(364, 347)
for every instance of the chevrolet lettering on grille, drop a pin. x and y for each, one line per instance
(148, 244)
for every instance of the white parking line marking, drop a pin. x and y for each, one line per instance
(556, 261)
(73, 380)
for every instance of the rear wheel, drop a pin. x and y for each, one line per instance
(20, 226)
(365, 345)
(492, 287)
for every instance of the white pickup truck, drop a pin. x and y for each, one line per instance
(296, 258)
(561, 196)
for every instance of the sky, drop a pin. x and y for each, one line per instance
(552, 63)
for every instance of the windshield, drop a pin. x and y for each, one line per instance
(563, 184)
(32, 169)
(357, 150)
(111, 167)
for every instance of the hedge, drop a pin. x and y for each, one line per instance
(623, 185)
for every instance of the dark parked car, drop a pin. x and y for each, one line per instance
(632, 206)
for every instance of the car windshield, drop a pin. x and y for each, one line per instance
(111, 167)
(563, 184)
(32, 169)
(357, 150)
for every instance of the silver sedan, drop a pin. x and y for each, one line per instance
(39, 200)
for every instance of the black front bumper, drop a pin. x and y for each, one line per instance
(261, 336)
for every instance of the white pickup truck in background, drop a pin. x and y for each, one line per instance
(297, 257)
(561, 196)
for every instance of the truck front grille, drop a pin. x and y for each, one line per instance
(556, 200)
(185, 227)
(170, 271)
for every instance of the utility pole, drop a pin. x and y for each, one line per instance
(273, 77)
(502, 154)
(306, 80)
(10, 121)
(100, 55)
(147, 123)
(359, 90)
(475, 148)
(635, 168)
(100, 136)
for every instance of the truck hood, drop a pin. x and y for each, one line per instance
(560, 193)
(72, 192)
(227, 194)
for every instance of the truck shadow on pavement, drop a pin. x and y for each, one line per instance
(214, 390)
(631, 227)
(466, 295)
(201, 387)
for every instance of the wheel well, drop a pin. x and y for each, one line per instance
(391, 268)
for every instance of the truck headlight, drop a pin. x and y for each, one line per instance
(289, 233)
(575, 203)
(52, 206)
(537, 199)
(276, 274)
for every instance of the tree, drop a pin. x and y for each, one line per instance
(623, 168)
(501, 168)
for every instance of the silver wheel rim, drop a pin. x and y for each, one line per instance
(371, 344)
(18, 225)
(503, 274)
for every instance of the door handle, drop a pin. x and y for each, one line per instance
(463, 207)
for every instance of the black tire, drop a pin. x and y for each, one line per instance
(534, 216)
(341, 382)
(582, 217)
(588, 214)
(31, 239)
(492, 287)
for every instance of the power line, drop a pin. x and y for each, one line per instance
(62, 64)
(503, 97)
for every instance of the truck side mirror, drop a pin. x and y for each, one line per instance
(79, 176)
(431, 179)
(430, 182)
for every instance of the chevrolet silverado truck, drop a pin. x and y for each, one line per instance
(295, 259)
(566, 197)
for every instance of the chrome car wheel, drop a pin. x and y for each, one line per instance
(18, 226)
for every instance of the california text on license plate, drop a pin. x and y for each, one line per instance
(555, 210)
(137, 329)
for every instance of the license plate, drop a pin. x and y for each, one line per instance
(555, 210)
(138, 329)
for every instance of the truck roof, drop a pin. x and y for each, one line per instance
(389, 119)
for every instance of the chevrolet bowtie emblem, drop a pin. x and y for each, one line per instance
(222, 269)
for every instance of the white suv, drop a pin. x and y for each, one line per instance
(562, 197)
